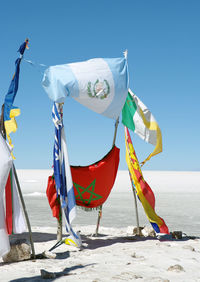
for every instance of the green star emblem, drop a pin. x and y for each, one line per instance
(90, 190)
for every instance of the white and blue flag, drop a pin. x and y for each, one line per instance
(62, 175)
(99, 84)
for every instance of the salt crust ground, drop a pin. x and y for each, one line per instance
(115, 255)
(169, 181)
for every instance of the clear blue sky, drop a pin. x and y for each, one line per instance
(163, 42)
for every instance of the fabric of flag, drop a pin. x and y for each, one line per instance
(62, 173)
(5, 166)
(143, 190)
(14, 216)
(99, 84)
(93, 183)
(10, 112)
(53, 198)
(5, 163)
(137, 117)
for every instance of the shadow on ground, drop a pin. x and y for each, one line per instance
(37, 236)
(93, 243)
(56, 275)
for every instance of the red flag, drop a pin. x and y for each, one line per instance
(54, 201)
(93, 183)
(9, 206)
(14, 215)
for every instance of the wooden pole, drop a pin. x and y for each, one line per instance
(115, 133)
(25, 212)
(59, 222)
(101, 207)
(2, 127)
(59, 227)
(3, 132)
(136, 208)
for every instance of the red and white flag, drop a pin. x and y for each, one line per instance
(14, 216)
(5, 166)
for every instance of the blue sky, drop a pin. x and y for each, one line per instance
(162, 38)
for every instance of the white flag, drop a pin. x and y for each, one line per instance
(19, 225)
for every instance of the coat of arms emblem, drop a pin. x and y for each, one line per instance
(100, 89)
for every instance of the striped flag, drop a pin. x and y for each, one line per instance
(137, 117)
(99, 84)
(62, 175)
(5, 165)
(143, 190)
(14, 216)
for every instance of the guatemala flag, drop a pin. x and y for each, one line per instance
(62, 175)
(99, 84)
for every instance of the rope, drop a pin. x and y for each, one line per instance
(37, 66)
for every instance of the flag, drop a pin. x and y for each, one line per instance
(5, 165)
(10, 112)
(93, 183)
(99, 84)
(62, 174)
(143, 190)
(53, 198)
(14, 216)
(137, 117)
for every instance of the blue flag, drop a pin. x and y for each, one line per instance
(99, 84)
(10, 112)
(62, 175)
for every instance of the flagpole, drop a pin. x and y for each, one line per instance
(59, 226)
(101, 207)
(134, 191)
(136, 208)
(25, 211)
(59, 221)
(2, 128)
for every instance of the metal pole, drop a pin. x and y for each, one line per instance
(101, 207)
(136, 208)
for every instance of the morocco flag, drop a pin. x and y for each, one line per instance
(93, 183)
